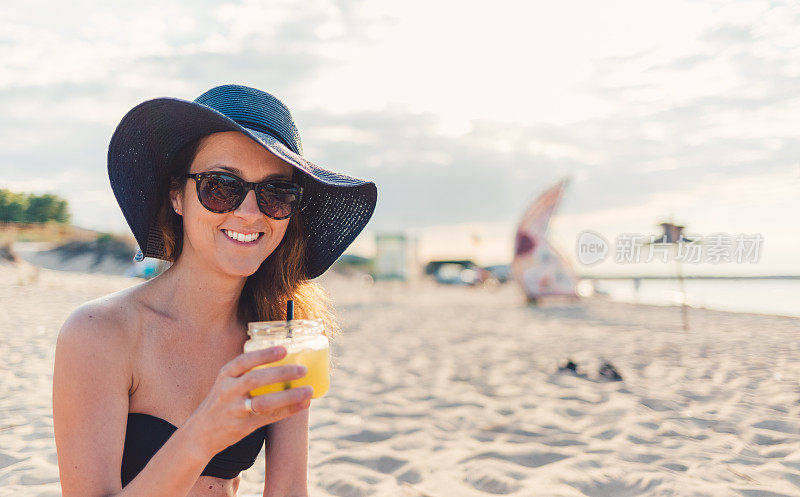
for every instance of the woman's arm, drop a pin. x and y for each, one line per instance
(286, 473)
(91, 382)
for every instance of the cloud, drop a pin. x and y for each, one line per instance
(728, 34)
(458, 125)
(65, 85)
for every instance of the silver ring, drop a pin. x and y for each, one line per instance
(248, 405)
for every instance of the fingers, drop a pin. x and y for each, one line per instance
(266, 376)
(268, 417)
(247, 361)
(287, 400)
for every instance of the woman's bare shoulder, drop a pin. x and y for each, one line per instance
(112, 321)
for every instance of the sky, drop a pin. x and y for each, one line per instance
(461, 112)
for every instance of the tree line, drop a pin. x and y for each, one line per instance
(32, 208)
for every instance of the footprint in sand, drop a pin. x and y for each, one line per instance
(606, 435)
(8, 460)
(563, 442)
(533, 459)
(642, 458)
(779, 426)
(368, 436)
(659, 405)
(746, 492)
(404, 415)
(411, 475)
(451, 405)
(354, 481)
(673, 466)
(488, 433)
(484, 436)
(777, 453)
(792, 478)
(344, 488)
(760, 439)
(493, 476)
(492, 482)
(618, 487)
(382, 464)
(596, 401)
(641, 441)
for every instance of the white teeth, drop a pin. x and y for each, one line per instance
(241, 236)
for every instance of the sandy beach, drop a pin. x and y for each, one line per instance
(448, 391)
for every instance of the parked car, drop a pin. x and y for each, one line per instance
(500, 272)
(456, 274)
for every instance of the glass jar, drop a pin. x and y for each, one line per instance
(305, 344)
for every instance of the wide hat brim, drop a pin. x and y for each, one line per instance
(335, 207)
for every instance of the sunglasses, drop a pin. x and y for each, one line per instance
(223, 192)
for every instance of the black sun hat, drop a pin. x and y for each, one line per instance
(335, 207)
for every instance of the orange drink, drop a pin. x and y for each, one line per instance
(305, 344)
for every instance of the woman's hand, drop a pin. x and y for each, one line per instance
(223, 419)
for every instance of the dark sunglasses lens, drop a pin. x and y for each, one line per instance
(219, 193)
(277, 202)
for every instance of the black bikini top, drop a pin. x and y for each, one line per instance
(146, 434)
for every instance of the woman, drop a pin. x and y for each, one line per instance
(150, 389)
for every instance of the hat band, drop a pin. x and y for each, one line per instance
(267, 130)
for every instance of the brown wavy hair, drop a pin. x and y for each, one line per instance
(280, 277)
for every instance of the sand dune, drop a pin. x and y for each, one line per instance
(455, 391)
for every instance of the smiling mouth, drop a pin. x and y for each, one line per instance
(242, 237)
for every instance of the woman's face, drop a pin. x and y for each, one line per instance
(206, 232)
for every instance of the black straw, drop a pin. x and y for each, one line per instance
(289, 316)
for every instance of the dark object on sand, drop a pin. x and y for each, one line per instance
(7, 253)
(572, 368)
(609, 372)
(569, 366)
